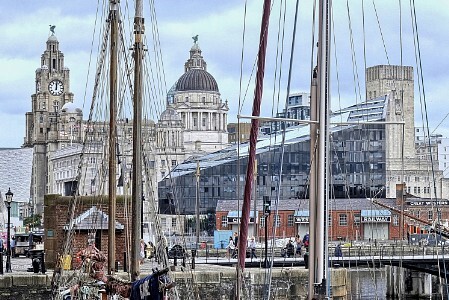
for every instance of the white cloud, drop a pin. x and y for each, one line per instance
(219, 25)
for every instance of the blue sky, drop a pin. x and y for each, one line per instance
(24, 27)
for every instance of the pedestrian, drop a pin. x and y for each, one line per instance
(2, 248)
(298, 245)
(252, 247)
(236, 244)
(305, 241)
(338, 252)
(13, 246)
(230, 248)
(142, 251)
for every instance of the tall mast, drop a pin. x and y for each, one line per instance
(137, 145)
(113, 19)
(318, 234)
(242, 241)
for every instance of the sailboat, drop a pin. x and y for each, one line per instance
(91, 279)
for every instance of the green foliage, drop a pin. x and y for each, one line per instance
(33, 220)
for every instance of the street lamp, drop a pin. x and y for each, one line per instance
(8, 201)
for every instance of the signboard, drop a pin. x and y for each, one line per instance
(301, 219)
(376, 219)
(427, 203)
(236, 220)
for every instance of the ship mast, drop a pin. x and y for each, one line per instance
(113, 19)
(242, 241)
(137, 145)
(319, 184)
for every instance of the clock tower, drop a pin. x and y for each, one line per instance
(46, 128)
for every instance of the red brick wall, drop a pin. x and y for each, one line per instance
(56, 217)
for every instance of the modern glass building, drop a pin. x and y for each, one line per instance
(357, 157)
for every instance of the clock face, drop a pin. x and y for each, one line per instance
(56, 87)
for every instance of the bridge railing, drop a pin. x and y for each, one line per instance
(389, 250)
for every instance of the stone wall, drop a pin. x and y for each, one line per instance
(24, 287)
(288, 283)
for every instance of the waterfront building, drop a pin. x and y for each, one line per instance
(193, 124)
(297, 107)
(15, 170)
(366, 159)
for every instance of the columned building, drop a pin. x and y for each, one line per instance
(196, 98)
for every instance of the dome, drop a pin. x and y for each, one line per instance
(170, 115)
(196, 80)
(70, 108)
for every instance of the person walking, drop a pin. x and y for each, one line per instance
(230, 248)
(252, 247)
(13, 247)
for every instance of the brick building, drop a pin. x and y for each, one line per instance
(91, 224)
(354, 219)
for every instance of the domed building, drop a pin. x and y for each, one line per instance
(196, 98)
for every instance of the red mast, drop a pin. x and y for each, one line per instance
(246, 208)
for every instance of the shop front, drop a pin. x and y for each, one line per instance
(375, 224)
(234, 221)
(302, 222)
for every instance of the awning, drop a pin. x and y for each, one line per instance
(374, 213)
(238, 214)
(302, 213)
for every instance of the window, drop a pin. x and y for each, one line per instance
(343, 220)
(204, 122)
(262, 222)
(224, 221)
(395, 220)
(164, 223)
(417, 179)
(356, 219)
(430, 215)
(173, 222)
(195, 121)
(162, 174)
(277, 222)
(173, 163)
(290, 221)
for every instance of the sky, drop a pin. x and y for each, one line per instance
(224, 40)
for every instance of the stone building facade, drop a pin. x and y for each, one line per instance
(46, 129)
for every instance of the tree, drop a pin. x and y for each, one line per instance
(33, 221)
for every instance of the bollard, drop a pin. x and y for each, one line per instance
(35, 263)
(193, 258)
(306, 260)
(42, 260)
(175, 259)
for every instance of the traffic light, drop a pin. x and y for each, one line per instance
(266, 205)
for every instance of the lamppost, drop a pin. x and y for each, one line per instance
(8, 201)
